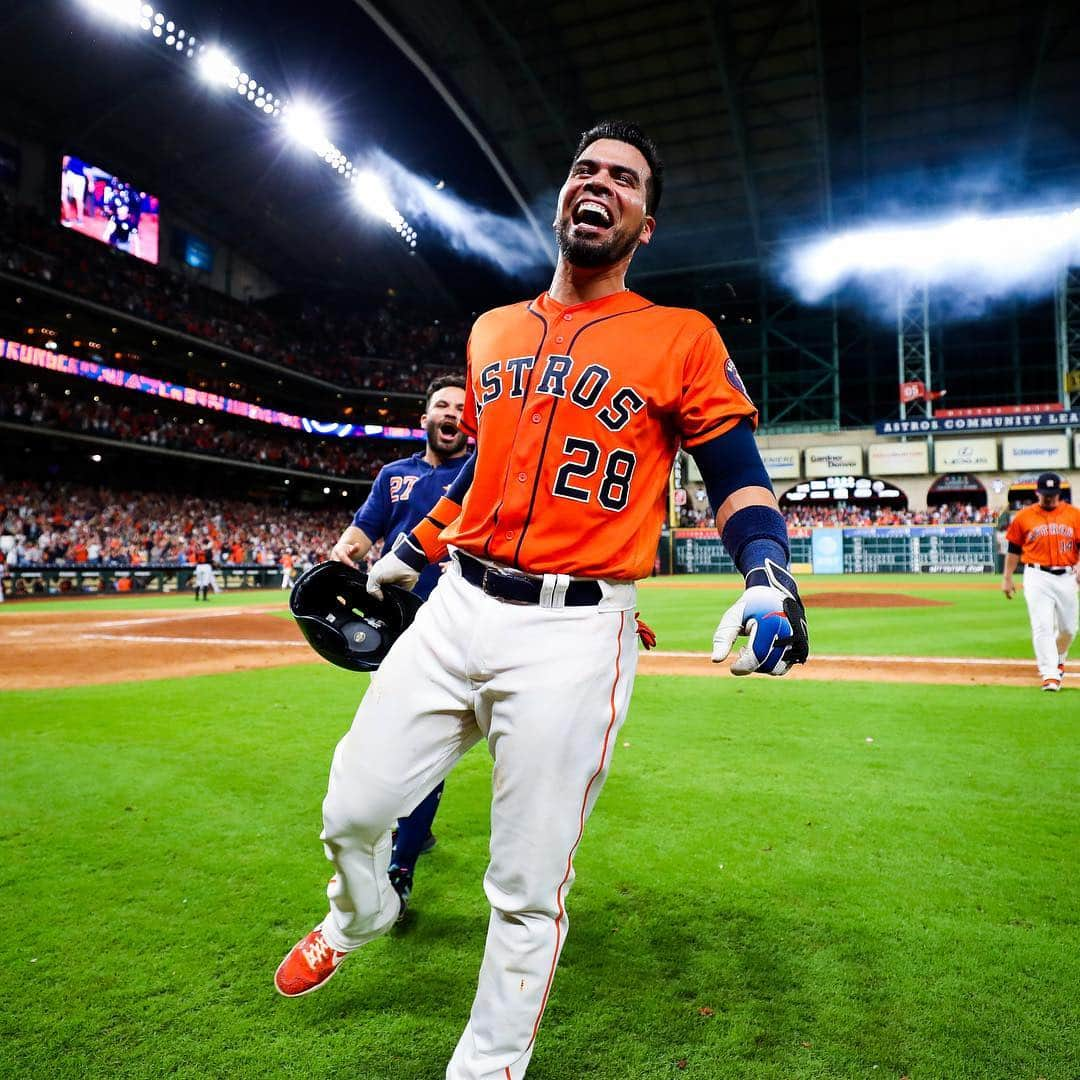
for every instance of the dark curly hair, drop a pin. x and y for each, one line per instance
(441, 382)
(623, 131)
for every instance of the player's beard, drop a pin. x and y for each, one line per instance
(438, 446)
(588, 253)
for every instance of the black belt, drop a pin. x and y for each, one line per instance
(1056, 570)
(522, 588)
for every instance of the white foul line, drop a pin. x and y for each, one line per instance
(970, 661)
(146, 639)
(174, 616)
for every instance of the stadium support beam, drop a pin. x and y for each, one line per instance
(458, 109)
(718, 36)
(557, 121)
(800, 367)
(913, 346)
(1067, 324)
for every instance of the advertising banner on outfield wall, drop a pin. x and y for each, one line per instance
(1035, 452)
(832, 460)
(899, 459)
(965, 455)
(781, 464)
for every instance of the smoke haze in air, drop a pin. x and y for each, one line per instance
(506, 243)
(975, 241)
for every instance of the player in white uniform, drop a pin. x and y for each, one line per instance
(1046, 538)
(579, 401)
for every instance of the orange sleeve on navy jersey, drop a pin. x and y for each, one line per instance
(714, 399)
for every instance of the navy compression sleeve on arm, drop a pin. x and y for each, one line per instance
(755, 533)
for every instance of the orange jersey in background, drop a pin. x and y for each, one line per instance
(1046, 537)
(578, 413)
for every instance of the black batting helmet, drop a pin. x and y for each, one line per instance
(343, 622)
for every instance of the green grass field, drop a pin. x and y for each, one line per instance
(976, 621)
(762, 892)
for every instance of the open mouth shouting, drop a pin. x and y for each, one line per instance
(590, 218)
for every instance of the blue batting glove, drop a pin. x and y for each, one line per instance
(773, 618)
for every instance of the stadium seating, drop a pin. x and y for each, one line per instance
(386, 350)
(70, 525)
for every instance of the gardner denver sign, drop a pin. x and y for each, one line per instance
(929, 425)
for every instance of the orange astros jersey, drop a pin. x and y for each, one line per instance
(1046, 537)
(578, 412)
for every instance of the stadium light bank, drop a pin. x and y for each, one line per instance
(992, 255)
(302, 123)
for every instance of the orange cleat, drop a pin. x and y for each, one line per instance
(310, 964)
(1053, 685)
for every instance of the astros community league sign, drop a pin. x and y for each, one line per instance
(930, 425)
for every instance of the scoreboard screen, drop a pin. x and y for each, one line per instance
(106, 208)
(943, 549)
(907, 549)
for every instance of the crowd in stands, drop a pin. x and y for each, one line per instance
(809, 517)
(68, 525)
(32, 403)
(386, 349)
(866, 516)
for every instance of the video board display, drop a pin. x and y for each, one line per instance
(98, 204)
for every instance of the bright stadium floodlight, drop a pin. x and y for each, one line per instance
(304, 126)
(128, 12)
(302, 122)
(988, 255)
(373, 198)
(216, 68)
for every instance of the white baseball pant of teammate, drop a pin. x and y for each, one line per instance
(1054, 610)
(204, 576)
(548, 688)
(74, 190)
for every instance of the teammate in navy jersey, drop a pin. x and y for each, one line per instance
(403, 492)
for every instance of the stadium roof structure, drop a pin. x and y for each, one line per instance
(776, 118)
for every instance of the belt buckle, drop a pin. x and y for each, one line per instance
(495, 572)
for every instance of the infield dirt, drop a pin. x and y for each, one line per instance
(43, 649)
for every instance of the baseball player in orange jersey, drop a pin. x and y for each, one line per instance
(579, 401)
(1045, 537)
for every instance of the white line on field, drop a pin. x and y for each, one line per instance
(968, 661)
(174, 616)
(146, 639)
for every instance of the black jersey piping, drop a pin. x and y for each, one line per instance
(524, 400)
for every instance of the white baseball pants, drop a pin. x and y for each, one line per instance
(1054, 610)
(548, 689)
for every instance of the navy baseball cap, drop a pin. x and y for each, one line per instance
(1049, 483)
